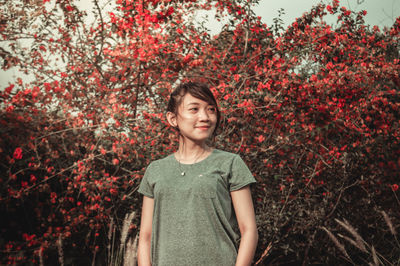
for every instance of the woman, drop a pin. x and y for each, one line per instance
(194, 198)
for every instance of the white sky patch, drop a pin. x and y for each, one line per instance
(379, 12)
(208, 17)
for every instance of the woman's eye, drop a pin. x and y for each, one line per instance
(212, 109)
(193, 109)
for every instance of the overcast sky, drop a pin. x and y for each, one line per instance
(379, 12)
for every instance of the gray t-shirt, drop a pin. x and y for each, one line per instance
(193, 217)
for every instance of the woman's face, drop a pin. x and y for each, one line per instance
(196, 119)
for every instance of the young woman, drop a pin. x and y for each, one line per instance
(194, 198)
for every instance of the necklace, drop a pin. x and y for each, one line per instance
(180, 165)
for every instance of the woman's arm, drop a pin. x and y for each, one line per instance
(245, 216)
(145, 232)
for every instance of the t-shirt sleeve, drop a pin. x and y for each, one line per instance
(240, 175)
(145, 187)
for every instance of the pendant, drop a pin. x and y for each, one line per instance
(183, 173)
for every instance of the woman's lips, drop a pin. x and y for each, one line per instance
(203, 127)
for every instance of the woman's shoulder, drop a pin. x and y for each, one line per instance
(224, 154)
(161, 161)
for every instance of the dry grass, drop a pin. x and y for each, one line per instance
(41, 261)
(374, 256)
(126, 252)
(389, 223)
(110, 245)
(123, 254)
(130, 257)
(351, 241)
(359, 242)
(125, 227)
(337, 243)
(60, 251)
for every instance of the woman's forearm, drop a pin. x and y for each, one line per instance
(144, 252)
(247, 247)
(144, 246)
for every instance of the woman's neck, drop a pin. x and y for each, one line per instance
(191, 152)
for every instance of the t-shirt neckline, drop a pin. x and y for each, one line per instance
(196, 163)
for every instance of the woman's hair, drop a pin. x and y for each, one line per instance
(196, 89)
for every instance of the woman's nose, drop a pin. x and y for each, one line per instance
(204, 115)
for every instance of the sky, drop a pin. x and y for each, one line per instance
(379, 12)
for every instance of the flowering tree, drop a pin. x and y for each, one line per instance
(313, 109)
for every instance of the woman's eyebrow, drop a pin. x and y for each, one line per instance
(197, 104)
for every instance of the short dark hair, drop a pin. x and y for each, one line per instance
(196, 89)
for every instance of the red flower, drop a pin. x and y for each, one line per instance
(53, 197)
(169, 11)
(113, 191)
(395, 187)
(18, 153)
(69, 8)
(261, 138)
(9, 88)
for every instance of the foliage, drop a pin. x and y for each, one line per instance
(313, 109)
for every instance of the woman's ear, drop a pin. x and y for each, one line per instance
(171, 117)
